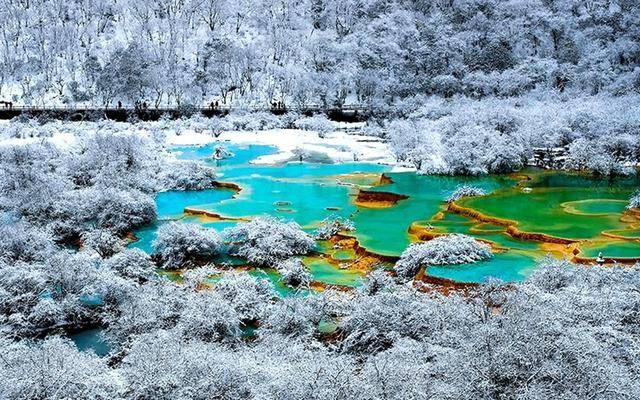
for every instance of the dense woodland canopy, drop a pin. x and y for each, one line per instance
(325, 52)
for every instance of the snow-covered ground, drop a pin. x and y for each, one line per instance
(339, 146)
(343, 145)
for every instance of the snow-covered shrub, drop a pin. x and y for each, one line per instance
(634, 201)
(34, 371)
(594, 156)
(47, 313)
(505, 153)
(102, 241)
(443, 250)
(59, 292)
(318, 123)
(472, 147)
(266, 241)
(254, 121)
(186, 369)
(154, 306)
(21, 288)
(189, 175)
(373, 129)
(182, 245)
(293, 273)
(219, 125)
(312, 156)
(377, 281)
(249, 296)
(446, 85)
(132, 264)
(208, 317)
(465, 191)
(333, 225)
(24, 242)
(195, 277)
(114, 159)
(376, 322)
(86, 286)
(414, 142)
(31, 182)
(292, 317)
(259, 121)
(122, 210)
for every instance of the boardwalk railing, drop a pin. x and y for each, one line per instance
(349, 113)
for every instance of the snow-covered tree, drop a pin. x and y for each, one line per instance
(132, 264)
(249, 296)
(180, 245)
(189, 175)
(23, 242)
(377, 280)
(331, 226)
(413, 142)
(294, 273)
(443, 250)
(266, 241)
(210, 318)
(317, 123)
(634, 201)
(291, 318)
(465, 191)
(102, 241)
(183, 369)
(54, 369)
(593, 155)
(123, 210)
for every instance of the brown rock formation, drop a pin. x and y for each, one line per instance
(537, 237)
(227, 185)
(375, 199)
(427, 283)
(210, 215)
(365, 259)
(385, 180)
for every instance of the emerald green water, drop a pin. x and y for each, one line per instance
(542, 210)
(617, 248)
(509, 266)
(384, 231)
(563, 205)
(557, 206)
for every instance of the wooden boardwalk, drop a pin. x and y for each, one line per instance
(344, 114)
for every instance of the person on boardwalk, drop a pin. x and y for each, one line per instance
(119, 104)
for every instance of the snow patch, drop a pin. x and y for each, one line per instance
(338, 146)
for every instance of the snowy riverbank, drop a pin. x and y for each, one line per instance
(344, 145)
(338, 146)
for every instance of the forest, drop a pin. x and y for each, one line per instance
(477, 237)
(322, 52)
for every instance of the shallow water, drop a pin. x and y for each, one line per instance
(91, 340)
(557, 204)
